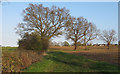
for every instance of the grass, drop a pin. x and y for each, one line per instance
(9, 49)
(57, 61)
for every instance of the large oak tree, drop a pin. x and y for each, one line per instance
(48, 22)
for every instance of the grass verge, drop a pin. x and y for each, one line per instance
(64, 62)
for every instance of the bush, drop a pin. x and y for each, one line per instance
(45, 43)
(33, 41)
(66, 43)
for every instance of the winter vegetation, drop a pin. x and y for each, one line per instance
(38, 53)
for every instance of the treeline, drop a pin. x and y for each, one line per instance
(65, 43)
(43, 23)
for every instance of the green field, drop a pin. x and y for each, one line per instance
(9, 49)
(65, 62)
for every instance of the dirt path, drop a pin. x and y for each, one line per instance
(110, 56)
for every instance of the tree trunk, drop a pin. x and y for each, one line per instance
(108, 46)
(75, 46)
(85, 42)
(85, 46)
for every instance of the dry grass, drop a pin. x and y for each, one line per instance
(99, 53)
(18, 60)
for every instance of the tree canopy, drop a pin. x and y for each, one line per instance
(108, 36)
(77, 28)
(48, 22)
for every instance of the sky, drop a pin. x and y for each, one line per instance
(103, 14)
(119, 22)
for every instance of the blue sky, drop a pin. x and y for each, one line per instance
(103, 14)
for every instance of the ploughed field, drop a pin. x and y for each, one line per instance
(99, 53)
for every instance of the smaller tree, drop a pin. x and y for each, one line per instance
(90, 33)
(66, 43)
(74, 28)
(55, 43)
(108, 36)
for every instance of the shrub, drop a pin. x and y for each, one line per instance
(45, 44)
(33, 41)
(66, 43)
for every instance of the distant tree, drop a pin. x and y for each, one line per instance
(75, 28)
(48, 22)
(51, 43)
(90, 33)
(59, 44)
(108, 36)
(55, 43)
(66, 43)
(90, 44)
(79, 43)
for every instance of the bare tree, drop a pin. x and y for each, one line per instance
(108, 36)
(48, 22)
(90, 33)
(74, 28)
